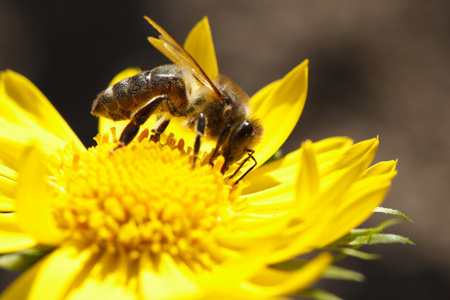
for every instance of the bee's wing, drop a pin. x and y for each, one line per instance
(168, 46)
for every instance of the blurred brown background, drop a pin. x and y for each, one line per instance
(376, 68)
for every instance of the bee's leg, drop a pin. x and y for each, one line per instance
(139, 118)
(159, 128)
(250, 156)
(161, 125)
(201, 125)
(222, 138)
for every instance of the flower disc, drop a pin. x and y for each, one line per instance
(143, 198)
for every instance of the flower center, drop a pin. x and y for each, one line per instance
(143, 198)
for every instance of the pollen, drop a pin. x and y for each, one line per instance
(143, 199)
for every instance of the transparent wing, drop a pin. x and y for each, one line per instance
(168, 46)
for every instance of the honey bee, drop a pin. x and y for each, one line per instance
(217, 109)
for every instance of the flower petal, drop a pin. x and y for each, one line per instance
(165, 281)
(283, 170)
(275, 282)
(310, 218)
(7, 204)
(15, 242)
(8, 182)
(362, 151)
(12, 236)
(272, 201)
(21, 101)
(67, 258)
(360, 202)
(7, 173)
(345, 171)
(327, 149)
(259, 98)
(283, 100)
(52, 277)
(380, 168)
(353, 214)
(200, 46)
(113, 276)
(308, 183)
(33, 203)
(20, 288)
(14, 139)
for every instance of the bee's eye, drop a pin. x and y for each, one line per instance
(238, 143)
(243, 132)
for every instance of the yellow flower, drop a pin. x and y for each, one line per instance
(143, 224)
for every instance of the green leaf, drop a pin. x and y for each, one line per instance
(364, 233)
(383, 225)
(289, 265)
(334, 272)
(318, 294)
(380, 238)
(22, 260)
(391, 211)
(352, 252)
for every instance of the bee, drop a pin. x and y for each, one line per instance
(215, 108)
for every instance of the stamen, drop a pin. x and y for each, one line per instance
(144, 199)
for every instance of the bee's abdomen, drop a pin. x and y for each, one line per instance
(121, 100)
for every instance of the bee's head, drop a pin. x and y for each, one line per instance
(242, 138)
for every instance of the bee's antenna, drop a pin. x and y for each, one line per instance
(250, 156)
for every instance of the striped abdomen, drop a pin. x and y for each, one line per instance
(121, 100)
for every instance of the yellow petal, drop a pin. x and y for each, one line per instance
(272, 201)
(15, 242)
(14, 138)
(345, 170)
(8, 173)
(311, 221)
(168, 282)
(228, 278)
(307, 186)
(11, 235)
(367, 186)
(113, 276)
(272, 177)
(58, 272)
(358, 206)
(279, 108)
(260, 97)
(257, 238)
(8, 181)
(283, 170)
(50, 277)
(200, 46)
(381, 168)
(275, 282)
(33, 203)
(298, 241)
(327, 149)
(10, 223)
(24, 100)
(20, 288)
(364, 150)
(7, 204)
